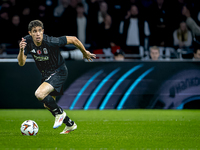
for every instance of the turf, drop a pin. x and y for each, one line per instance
(104, 130)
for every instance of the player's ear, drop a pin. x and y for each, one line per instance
(29, 32)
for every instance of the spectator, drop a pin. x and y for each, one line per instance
(4, 25)
(58, 10)
(25, 17)
(103, 11)
(81, 23)
(85, 4)
(50, 6)
(96, 12)
(73, 3)
(7, 5)
(42, 14)
(190, 22)
(132, 31)
(196, 54)
(117, 12)
(16, 31)
(69, 13)
(119, 55)
(106, 40)
(196, 11)
(106, 36)
(177, 17)
(4, 14)
(159, 21)
(93, 8)
(14, 6)
(57, 13)
(126, 5)
(196, 51)
(155, 53)
(26, 14)
(182, 37)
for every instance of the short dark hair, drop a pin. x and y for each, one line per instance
(35, 23)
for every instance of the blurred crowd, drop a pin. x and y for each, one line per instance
(109, 27)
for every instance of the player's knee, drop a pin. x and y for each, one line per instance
(39, 95)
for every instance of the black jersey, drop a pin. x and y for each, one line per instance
(47, 56)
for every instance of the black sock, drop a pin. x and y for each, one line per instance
(51, 104)
(53, 113)
(68, 121)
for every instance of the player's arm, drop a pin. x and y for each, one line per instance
(86, 54)
(21, 57)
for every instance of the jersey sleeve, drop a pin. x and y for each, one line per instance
(27, 48)
(62, 41)
(58, 41)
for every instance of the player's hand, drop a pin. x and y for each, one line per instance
(22, 44)
(88, 56)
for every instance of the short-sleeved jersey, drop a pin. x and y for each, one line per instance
(47, 56)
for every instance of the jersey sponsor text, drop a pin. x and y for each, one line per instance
(38, 58)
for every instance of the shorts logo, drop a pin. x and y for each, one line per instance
(45, 51)
(50, 76)
(39, 52)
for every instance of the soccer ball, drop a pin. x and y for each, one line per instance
(29, 127)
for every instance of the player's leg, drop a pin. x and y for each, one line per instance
(57, 80)
(67, 121)
(54, 97)
(43, 90)
(42, 94)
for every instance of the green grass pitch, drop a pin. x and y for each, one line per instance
(104, 130)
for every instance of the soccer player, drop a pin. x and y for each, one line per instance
(45, 51)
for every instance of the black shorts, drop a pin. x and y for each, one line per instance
(56, 79)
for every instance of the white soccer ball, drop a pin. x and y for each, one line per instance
(29, 127)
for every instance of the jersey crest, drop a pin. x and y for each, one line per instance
(45, 51)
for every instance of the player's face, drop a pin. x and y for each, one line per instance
(37, 35)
